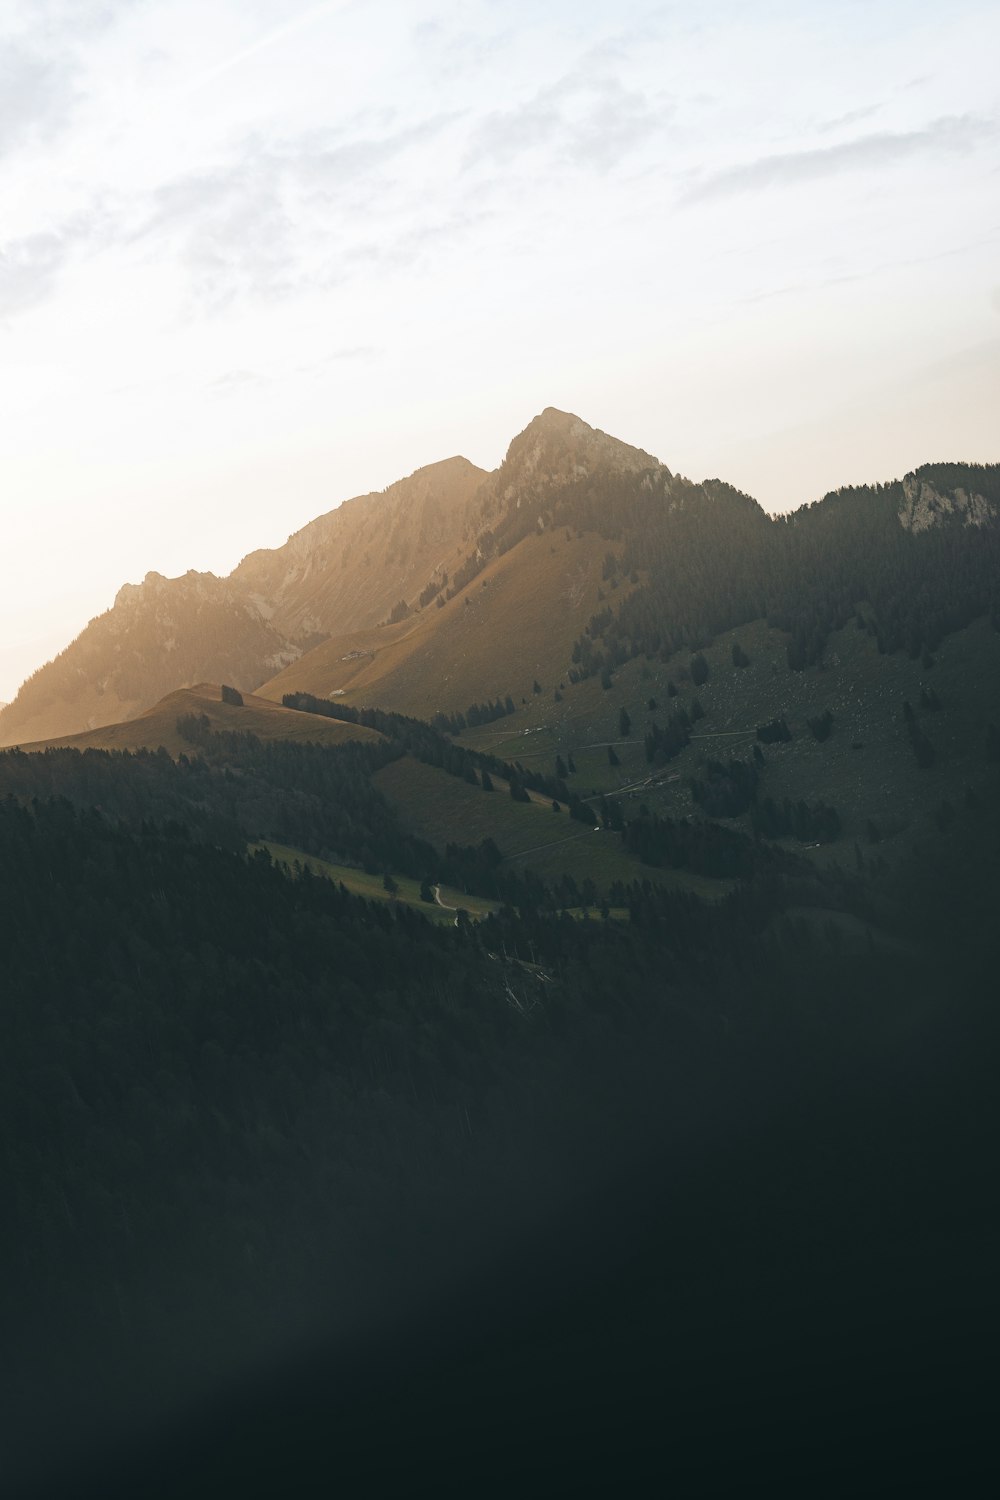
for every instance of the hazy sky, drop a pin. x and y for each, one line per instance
(257, 256)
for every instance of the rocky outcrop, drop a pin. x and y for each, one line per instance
(925, 506)
(347, 569)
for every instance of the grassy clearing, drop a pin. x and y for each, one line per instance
(360, 883)
(442, 809)
(866, 769)
(603, 860)
(446, 810)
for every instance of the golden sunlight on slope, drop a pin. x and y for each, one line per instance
(347, 569)
(259, 716)
(512, 626)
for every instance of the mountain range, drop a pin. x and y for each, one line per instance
(402, 596)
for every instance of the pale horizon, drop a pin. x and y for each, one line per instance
(254, 263)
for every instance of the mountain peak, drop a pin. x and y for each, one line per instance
(557, 448)
(553, 416)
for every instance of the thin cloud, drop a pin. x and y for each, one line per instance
(880, 268)
(588, 119)
(852, 117)
(36, 96)
(270, 39)
(356, 351)
(957, 133)
(445, 49)
(398, 251)
(506, 134)
(272, 219)
(236, 379)
(618, 121)
(242, 379)
(40, 67)
(67, 19)
(30, 264)
(346, 355)
(335, 165)
(28, 270)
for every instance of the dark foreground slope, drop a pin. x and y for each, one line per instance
(307, 1196)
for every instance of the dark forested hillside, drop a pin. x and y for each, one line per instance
(245, 1116)
(712, 566)
(233, 788)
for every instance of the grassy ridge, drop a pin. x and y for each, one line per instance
(260, 716)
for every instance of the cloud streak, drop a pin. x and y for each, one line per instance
(952, 133)
(270, 39)
(852, 117)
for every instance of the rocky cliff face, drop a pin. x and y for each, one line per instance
(346, 570)
(925, 506)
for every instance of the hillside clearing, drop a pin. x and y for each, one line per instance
(360, 883)
(446, 810)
